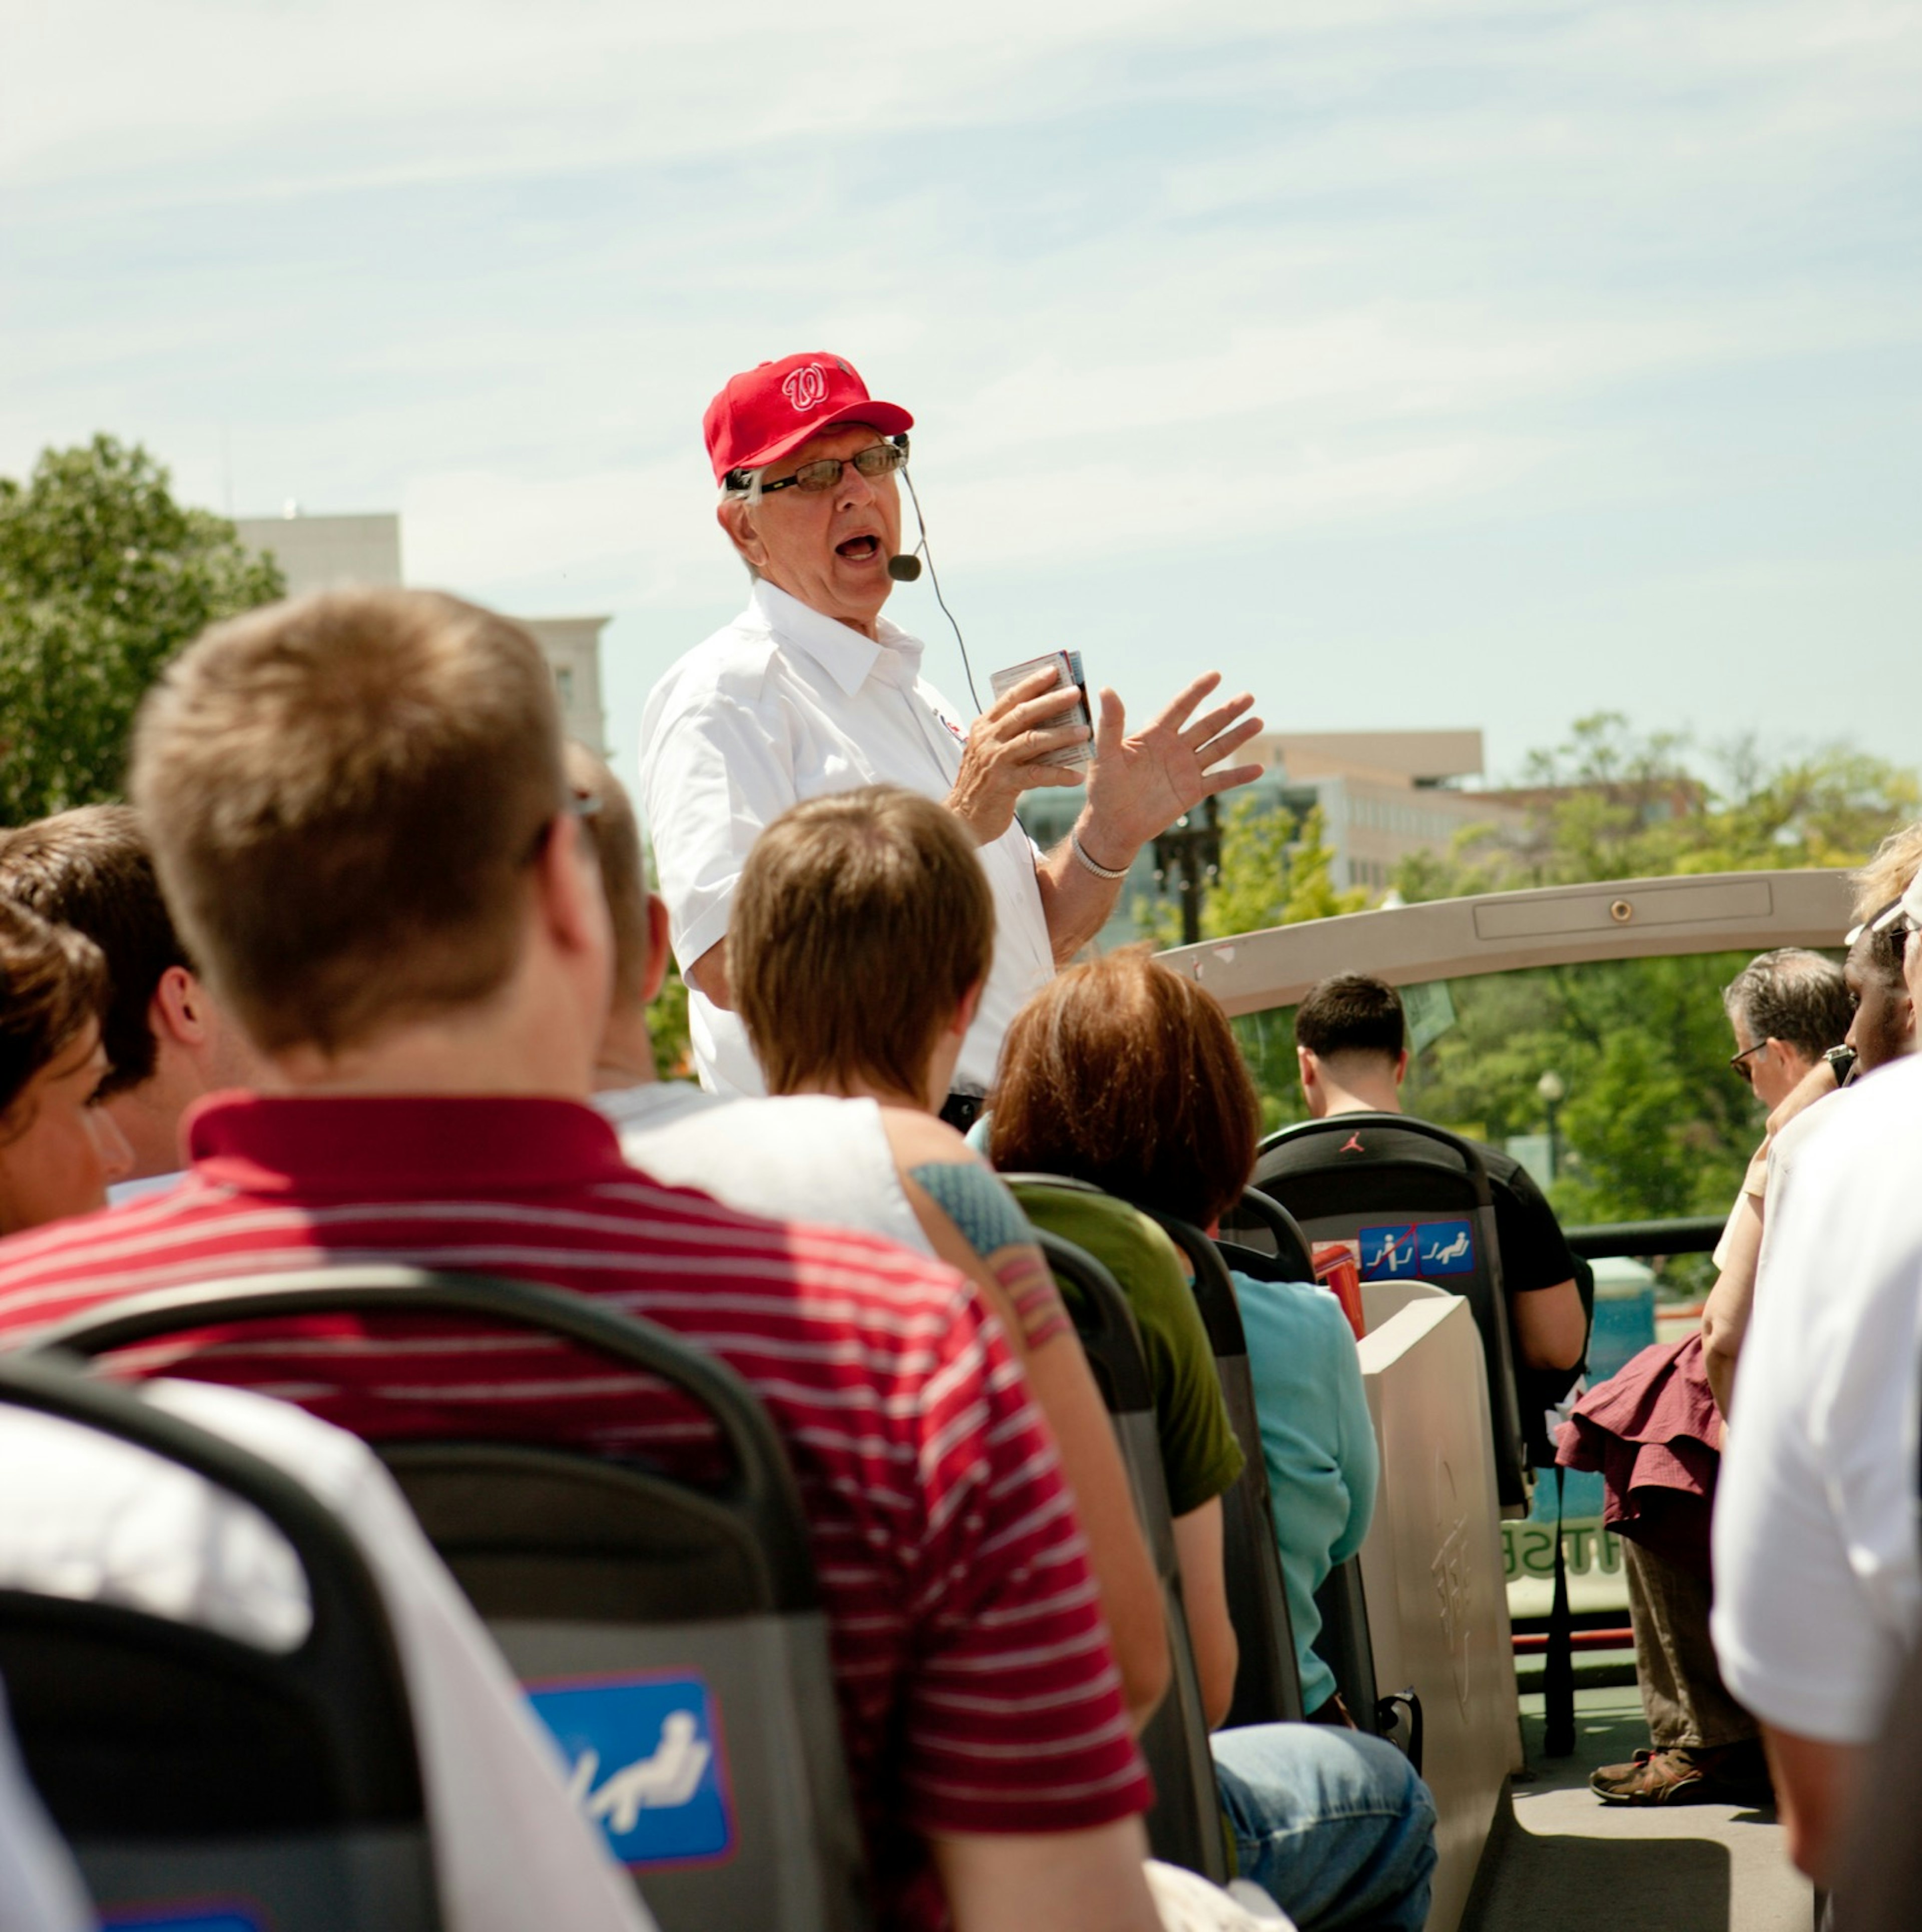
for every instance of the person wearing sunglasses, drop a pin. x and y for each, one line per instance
(1661, 1414)
(812, 691)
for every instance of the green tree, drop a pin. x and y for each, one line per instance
(667, 1028)
(1273, 872)
(103, 577)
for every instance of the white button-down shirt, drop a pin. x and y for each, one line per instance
(785, 704)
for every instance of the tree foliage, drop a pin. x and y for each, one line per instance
(1610, 804)
(103, 577)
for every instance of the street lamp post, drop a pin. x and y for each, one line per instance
(1194, 849)
(1554, 1091)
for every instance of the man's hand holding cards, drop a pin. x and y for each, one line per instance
(1066, 666)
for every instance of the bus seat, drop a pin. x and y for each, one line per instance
(201, 1778)
(1416, 1221)
(670, 1636)
(1267, 1681)
(1343, 1643)
(1258, 1224)
(1186, 1827)
(1432, 1562)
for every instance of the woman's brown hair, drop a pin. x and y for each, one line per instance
(860, 923)
(1122, 1073)
(53, 981)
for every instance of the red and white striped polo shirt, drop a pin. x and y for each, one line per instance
(977, 1691)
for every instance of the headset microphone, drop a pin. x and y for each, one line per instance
(906, 569)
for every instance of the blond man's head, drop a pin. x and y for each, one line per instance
(346, 795)
(1885, 877)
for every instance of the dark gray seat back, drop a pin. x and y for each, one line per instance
(673, 1631)
(184, 1766)
(1267, 1680)
(1415, 1221)
(1343, 1642)
(1186, 1827)
(1261, 1237)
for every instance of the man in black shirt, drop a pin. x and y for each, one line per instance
(1349, 1040)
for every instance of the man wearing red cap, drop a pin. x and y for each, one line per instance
(811, 690)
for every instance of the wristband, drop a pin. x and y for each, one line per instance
(1081, 852)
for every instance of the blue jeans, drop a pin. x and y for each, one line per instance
(1334, 1825)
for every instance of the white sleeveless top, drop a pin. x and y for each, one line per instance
(794, 1157)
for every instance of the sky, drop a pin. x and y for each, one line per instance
(1413, 362)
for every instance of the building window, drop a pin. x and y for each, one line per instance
(564, 686)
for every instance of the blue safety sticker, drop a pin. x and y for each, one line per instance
(1448, 1247)
(645, 1754)
(201, 1916)
(1390, 1254)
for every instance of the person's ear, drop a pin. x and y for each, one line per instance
(573, 906)
(737, 518)
(658, 949)
(1308, 1067)
(178, 1010)
(1401, 1066)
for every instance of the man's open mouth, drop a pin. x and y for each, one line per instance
(858, 549)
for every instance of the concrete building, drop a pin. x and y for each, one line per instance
(316, 552)
(1384, 796)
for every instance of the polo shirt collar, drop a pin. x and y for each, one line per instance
(400, 1146)
(842, 652)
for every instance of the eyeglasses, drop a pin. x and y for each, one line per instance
(1738, 1063)
(878, 459)
(575, 805)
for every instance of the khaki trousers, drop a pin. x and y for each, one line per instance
(1683, 1694)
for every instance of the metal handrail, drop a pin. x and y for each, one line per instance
(1685, 1234)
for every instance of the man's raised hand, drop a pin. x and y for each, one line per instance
(1007, 752)
(1142, 783)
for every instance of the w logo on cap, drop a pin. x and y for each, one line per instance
(806, 388)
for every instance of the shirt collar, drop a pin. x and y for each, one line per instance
(842, 652)
(398, 1146)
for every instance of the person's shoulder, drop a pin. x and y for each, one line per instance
(1796, 1134)
(808, 1257)
(1112, 1230)
(1873, 1127)
(655, 1106)
(916, 1138)
(732, 664)
(1304, 1308)
(118, 1236)
(1505, 1171)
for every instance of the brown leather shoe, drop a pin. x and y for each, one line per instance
(1685, 1774)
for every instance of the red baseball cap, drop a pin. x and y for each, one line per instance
(765, 412)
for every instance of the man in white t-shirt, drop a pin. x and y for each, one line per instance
(1818, 1590)
(812, 691)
